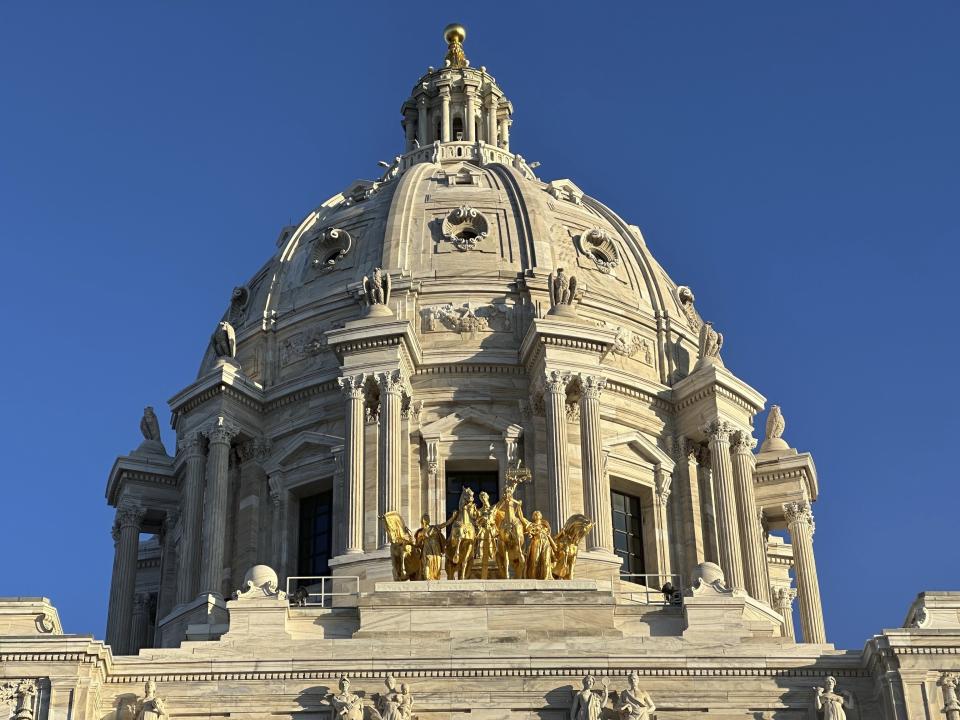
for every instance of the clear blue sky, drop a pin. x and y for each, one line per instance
(795, 163)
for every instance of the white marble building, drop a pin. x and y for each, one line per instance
(448, 326)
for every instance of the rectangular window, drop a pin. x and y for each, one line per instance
(628, 532)
(457, 480)
(316, 534)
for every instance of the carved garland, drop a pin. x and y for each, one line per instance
(465, 227)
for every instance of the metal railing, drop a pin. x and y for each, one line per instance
(652, 589)
(322, 591)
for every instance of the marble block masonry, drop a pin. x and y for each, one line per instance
(497, 361)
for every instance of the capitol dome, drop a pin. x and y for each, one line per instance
(461, 330)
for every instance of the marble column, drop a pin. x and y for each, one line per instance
(340, 501)
(216, 505)
(410, 130)
(188, 550)
(141, 617)
(353, 463)
(445, 115)
(754, 545)
(555, 400)
(690, 522)
(948, 683)
(505, 134)
(783, 604)
(422, 120)
(596, 484)
(166, 596)
(492, 106)
(469, 123)
(114, 586)
(128, 520)
(389, 463)
(801, 526)
(718, 432)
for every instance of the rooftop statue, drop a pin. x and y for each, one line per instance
(710, 343)
(376, 289)
(149, 425)
(563, 293)
(224, 340)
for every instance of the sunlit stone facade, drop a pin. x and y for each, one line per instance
(461, 323)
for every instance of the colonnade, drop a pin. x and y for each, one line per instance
(495, 130)
(203, 533)
(392, 387)
(742, 545)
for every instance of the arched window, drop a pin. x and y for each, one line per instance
(458, 128)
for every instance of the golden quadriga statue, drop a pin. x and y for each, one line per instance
(486, 541)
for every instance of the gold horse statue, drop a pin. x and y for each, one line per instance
(403, 554)
(461, 540)
(568, 545)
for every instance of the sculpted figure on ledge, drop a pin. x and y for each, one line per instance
(486, 541)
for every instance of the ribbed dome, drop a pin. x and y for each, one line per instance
(450, 209)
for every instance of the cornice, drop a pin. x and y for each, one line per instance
(227, 381)
(716, 381)
(158, 472)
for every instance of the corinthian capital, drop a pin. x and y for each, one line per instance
(591, 386)
(949, 679)
(393, 382)
(799, 513)
(718, 431)
(743, 442)
(783, 597)
(130, 517)
(556, 382)
(352, 386)
(222, 430)
(190, 444)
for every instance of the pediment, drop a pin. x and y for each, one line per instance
(301, 448)
(470, 422)
(639, 445)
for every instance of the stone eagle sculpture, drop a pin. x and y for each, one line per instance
(563, 292)
(710, 343)
(149, 425)
(775, 423)
(376, 290)
(224, 341)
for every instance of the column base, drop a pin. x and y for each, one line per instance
(205, 618)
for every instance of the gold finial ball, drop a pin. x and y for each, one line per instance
(454, 32)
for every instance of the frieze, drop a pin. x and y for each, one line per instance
(468, 319)
(303, 345)
(630, 344)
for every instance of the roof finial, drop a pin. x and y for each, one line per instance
(455, 34)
